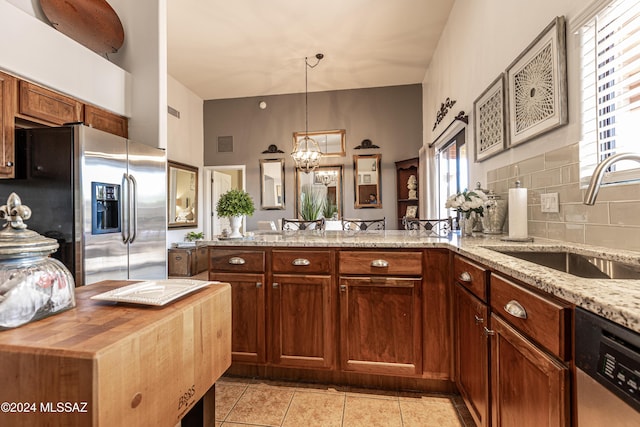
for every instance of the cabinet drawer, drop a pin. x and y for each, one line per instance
(471, 276)
(301, 262)
(44, 104)
(238, 260)
(386, 263)
(545, 321)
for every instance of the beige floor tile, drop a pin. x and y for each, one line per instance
(371, 412)
(429, 411)
(320, 388)
(241, 425)
(227, 394)
(315, 409)
(262, 406)
(235, 380)
(279, 384)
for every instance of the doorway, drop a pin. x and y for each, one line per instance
(219, 180)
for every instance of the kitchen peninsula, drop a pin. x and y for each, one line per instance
(409, 310)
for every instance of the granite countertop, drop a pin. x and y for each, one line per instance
(614, 299)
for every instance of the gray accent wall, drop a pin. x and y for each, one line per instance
(391, 117)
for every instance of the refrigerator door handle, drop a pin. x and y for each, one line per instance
(124, 217)
(134, 207)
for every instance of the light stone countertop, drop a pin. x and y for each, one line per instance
(617, 300)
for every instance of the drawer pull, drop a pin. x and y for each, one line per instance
(487, 332)
(465, 276)
(343, 288)
(478, 319)
(258, 285)
(9, 164)
(178, 258)
(301, 262)
(514, 308)
(236, 260)
(379, 263)
(276, 285)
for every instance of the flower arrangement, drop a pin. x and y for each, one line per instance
(467, 202)
(234, 203)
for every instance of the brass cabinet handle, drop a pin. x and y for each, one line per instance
(379, 263)
(487, 332)
(465, 276)
(343, 288)
(9, 164)
(276, 285)
(478, 319)
(178, 258)
(515, 309)
(236, 260)
(258, 284)
(301, 262)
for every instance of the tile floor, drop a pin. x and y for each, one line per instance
(242, 402)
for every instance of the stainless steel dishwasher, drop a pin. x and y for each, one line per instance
(607, 372)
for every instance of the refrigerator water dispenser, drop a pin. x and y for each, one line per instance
(105, 208)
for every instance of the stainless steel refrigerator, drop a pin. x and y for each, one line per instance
(101, 196)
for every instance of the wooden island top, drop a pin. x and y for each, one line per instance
(108, 364)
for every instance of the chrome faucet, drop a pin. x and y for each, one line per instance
(598, 174)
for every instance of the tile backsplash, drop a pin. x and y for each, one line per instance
(614, 221)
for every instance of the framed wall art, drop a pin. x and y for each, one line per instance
(537, 85)
(489, 120)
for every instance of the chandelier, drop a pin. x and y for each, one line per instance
(306, 151)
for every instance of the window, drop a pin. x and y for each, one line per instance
(452, 170)
(610, 75)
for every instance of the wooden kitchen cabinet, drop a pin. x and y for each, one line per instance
(46, 106)
(7, 125)
(245, 271)
(472, 346)
(472, 353)
(530, 383)
(529, 387)
(380, 312)
(302, 309)
(106, 121)
(404, 169)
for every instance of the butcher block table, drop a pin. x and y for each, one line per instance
(108, 364)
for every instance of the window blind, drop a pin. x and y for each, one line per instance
(610, 75)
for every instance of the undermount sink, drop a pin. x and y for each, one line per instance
(580, 265)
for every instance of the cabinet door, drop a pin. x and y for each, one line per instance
(247, 316)
(47, 105)
(529, 387)
(181, 262)
(380, 325)
(106, 121)
(472, 349)
(202, 259)
(7, 126)
(302, 333)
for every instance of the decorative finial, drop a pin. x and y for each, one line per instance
(15, 212)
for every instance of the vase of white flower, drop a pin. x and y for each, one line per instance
(470, 206)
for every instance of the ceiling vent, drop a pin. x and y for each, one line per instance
(225, 144)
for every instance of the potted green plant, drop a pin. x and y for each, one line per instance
(311, 204)
(192, 235)
(235, 204)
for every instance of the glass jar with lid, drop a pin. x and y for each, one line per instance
(32, 284)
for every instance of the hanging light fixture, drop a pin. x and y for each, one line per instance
(306, 151)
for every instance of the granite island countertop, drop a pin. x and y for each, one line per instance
(615, 299)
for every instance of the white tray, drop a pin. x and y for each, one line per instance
(153, 292)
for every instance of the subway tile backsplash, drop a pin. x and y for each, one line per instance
(614, 221)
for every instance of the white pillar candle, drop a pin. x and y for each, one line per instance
(518, 212)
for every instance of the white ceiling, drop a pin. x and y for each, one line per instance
(238, 48)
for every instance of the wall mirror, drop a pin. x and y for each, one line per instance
(367, 181)
(319, 193)
(272, 184)
(332, 142)
(182, 190)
